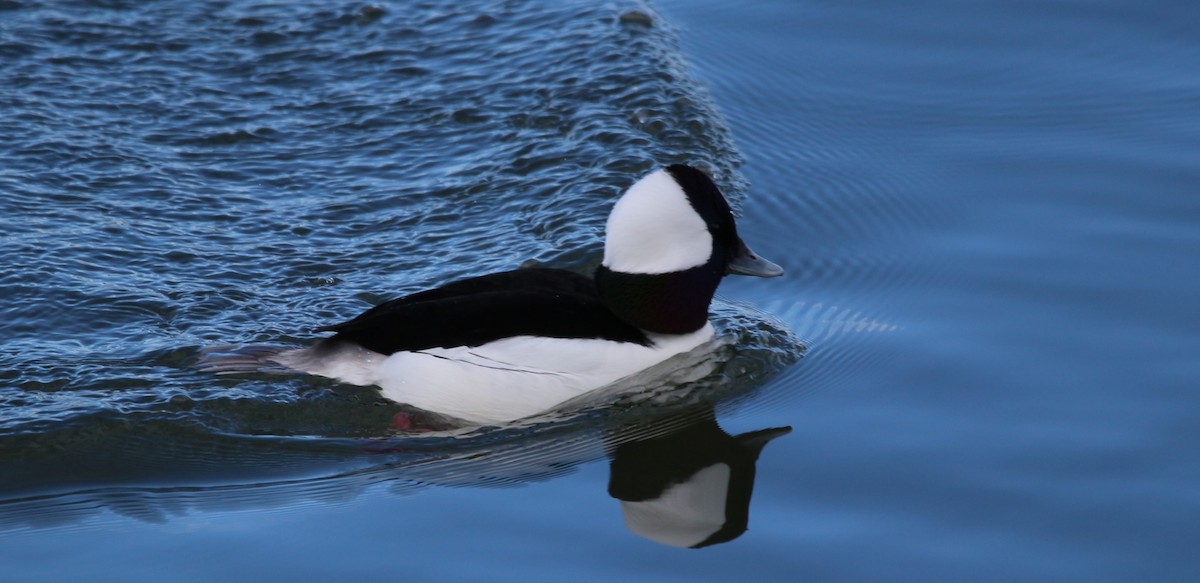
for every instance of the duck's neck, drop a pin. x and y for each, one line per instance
(669, 303)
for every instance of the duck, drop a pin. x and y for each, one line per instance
(496, 348)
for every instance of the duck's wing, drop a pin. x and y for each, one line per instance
(514, 282)
(472, 312)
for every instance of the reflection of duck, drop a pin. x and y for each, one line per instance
(508, 345)
(690, 487)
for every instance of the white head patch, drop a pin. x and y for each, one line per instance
(654, 229)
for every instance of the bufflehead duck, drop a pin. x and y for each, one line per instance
(500, 347)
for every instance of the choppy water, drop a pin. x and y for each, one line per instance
(985, 344)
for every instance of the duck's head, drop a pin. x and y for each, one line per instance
(668, 242)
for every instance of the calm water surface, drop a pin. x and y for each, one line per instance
(985, 345)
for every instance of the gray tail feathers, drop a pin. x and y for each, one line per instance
(250, 359)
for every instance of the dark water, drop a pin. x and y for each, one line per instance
(985, 345)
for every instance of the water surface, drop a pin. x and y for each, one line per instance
(984, 345)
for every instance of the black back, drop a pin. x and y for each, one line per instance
(538, 302)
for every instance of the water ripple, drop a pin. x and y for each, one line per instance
(182, 175)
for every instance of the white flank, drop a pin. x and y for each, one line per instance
(654, 229)
(500, 381)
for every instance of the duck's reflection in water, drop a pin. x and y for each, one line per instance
(681, 480)
(691, 486)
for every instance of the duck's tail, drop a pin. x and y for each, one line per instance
(250, 359)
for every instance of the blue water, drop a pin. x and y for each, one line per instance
(985, 344)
